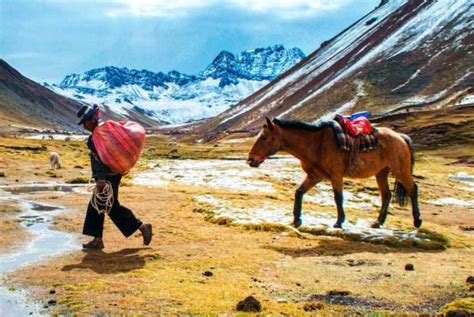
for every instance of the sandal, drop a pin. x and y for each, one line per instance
(93, 245)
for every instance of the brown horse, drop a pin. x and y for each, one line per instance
(315, 145)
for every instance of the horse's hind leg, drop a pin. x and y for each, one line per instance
(307, 184)
(414, 206)
(386, 195)
(412, 190)
(337, 186)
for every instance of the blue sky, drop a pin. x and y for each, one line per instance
(48, 39)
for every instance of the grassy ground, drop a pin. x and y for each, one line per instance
(288, 274)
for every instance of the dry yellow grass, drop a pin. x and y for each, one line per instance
(13, 234)
(282, 270)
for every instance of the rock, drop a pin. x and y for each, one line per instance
(52, 291)
(173, 154)
(458, 313)
(338, 293)
(2, 174)
(208, 273)
(52, 302)
(467, 228)
(282, 301)
(249, 304)
(409, 267)
(470, 280)
(352, 262)
(313, 306)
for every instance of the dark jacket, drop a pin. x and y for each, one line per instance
(99, 169)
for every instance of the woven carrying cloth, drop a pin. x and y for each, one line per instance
(119, 144)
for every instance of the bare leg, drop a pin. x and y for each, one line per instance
(307, 184)
(386, 195)
(337, 186)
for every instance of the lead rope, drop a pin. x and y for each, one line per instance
(104, 198)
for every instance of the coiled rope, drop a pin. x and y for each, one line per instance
(104, 198)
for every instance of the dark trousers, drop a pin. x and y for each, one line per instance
(122, 217)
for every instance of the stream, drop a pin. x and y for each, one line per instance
(44, 242)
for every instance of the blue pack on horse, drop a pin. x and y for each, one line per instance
(327, 153)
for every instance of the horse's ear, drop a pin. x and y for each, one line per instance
(269, 124)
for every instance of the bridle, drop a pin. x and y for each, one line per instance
(261, 158)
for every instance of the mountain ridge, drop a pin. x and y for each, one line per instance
(404, 53)
(175, 97)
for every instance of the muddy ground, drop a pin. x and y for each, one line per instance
(221, 234)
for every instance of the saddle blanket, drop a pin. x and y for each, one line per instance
(347, 142)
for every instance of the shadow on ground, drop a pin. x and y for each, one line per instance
(125, 260)
(339, 247)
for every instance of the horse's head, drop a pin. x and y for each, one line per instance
(267, 144)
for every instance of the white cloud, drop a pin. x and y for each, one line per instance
(157, 8)
(290, 9)
(286, 9)
(22, 55)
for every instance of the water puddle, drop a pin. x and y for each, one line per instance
(35, 218)
(44, 187)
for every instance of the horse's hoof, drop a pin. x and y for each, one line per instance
(338, 225)
(297, 223)
(418, 223)
(376, 225)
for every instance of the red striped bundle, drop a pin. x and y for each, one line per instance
(119, 144)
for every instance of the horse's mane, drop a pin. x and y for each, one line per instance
(318, 125)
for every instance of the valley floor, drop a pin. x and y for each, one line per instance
(221, 234)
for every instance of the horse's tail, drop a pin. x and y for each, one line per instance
(400, 191)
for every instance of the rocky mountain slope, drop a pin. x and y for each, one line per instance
(405, 55)
(27, 102)
(174, 97)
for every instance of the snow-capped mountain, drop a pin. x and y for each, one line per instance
(174, 97)
(405, 55)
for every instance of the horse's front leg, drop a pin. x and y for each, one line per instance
(307, 184)
(338, 186)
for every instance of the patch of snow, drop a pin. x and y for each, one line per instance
(60, 137)
(408, 80)
(464, 178)
(466, 100)
(419, 100)
(341, 110)
(360, 91)
(271, 214)
(236, 176)
(451, 201)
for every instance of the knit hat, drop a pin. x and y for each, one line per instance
(87, 112)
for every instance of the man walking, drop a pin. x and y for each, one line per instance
(121, 216)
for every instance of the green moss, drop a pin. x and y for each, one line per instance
(266, 227)
(465, 303)
(79, 180)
